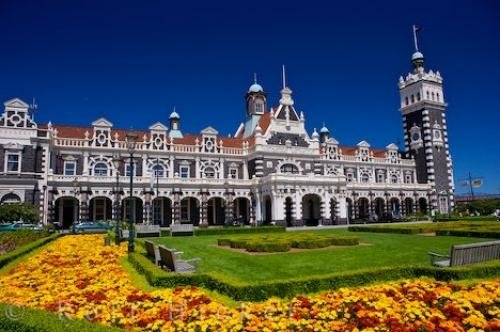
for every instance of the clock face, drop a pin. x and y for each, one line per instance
(415, 136)
(437, 134)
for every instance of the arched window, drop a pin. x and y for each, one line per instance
(10, 198)
(394, 178)
(365, 178)
(406, 101)
(209, 172)
(437, 96)
(412, 99)
(100, 169)
(158, 171)
(259, 107)
(427, 94)
(289, 168)
(408, 178)
(433, 96)
(418, 96)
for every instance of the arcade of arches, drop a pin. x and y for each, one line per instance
(311, 210)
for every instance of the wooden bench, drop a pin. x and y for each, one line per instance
(170, 259)
(142, 230)
(152, 251)
(467, 254)
(145, 230)
(181, 229)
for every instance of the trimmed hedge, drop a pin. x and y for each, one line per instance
(469, 233)
(21, 319)
(292, 287)
(239, 230)
(284, 242)
(21, 251)
(392, 230)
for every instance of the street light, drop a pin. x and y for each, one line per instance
(131, 144)
(76, 186)
(116, 162)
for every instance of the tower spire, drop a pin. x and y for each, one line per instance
(283, 76)
(255, 78)
(415, 39)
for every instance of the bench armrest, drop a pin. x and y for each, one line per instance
(194, 261)
(433, 256)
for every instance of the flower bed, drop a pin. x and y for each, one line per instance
(283, 243)
(79, 277)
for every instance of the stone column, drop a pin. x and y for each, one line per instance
(176, 209)
(84, 207)
(204, 208)
(147, 208)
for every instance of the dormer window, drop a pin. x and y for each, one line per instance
(380, 178)
(184, 172)
(259, 107)
(408, 178)
(233, 173)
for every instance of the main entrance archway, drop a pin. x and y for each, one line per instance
(66, 211)
(379, 206)
(311, 209)
(422, 205)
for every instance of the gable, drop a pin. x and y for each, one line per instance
(15, 103)
(209, 131)
(158, 126)
(102, 122)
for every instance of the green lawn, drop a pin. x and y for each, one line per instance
(377, 250)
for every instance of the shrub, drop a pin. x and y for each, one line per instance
(12, 240)
(23, 319)
(239, 230)
(19, 211)
(469, 233)
(256, 246)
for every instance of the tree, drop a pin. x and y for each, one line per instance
(19, 211)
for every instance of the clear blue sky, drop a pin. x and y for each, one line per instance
(132, 61)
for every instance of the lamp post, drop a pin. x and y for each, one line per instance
(116, 162)
(131, 142)
(76, 185)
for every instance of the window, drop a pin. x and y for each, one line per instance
(427, 93)
(350, 177)
(184, 171)
(127, 169)
(259, 108)
(394, 178)
(433, 96)
(418, 96)
(158, 171)
(233, 173)
(289, 168)
(437, 96)
(365, 178)
(209, 172)
(69, 168)
(415, 136)
(101, 169)
(408, 178)
(380, 178)
(13, 162)
(406, 101)
(437, 134)
(412, 99)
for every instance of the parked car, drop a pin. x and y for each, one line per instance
(91, 226)
(20, 225)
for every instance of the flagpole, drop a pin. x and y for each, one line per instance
(471, 190)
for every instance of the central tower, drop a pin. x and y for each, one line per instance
(423, 109)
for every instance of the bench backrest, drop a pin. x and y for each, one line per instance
(188, 228)
(167, 257)
(150, 248)
(474, 253)
(147, 228)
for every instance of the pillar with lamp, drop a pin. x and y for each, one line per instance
(131, 145)
(117, 161)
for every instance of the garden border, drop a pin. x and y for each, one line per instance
(23, 319)
(157, 277)
(25, 249)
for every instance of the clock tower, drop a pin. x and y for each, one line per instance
(423, 109)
